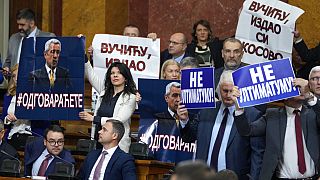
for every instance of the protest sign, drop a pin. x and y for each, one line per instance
(197, 88)
(265, 28)
(141, 55)
(50, 79)
(157, 127)
(265, 82)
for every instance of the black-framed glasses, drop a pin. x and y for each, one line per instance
(315, 79)
(175, 43)
(53, 142)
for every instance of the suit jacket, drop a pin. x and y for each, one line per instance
(32, 152)
(165, 56)
(306, 54)
(120, 167)
(123, 109)
(273, 126)
(41, 83)
(215, 47)
(8, 149)
(311, 56)
(243, 154)
(13, 47)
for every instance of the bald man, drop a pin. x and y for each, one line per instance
(177, 46)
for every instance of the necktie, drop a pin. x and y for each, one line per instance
(177, 119)
(51, 78)
(217, 143)
(300, 150)
(99, 166)
(44, 165)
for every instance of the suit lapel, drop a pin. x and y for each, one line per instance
(283, 126)
(212, 117)
(232, 134)
(303, 116)
(113, 159)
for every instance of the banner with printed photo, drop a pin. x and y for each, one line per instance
(265, 27)
(265, 82)
(51, 79)
(157, 126)
(141, 55)
(197, 88)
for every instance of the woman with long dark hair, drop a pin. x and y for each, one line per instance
(117, 99)
(204, 46)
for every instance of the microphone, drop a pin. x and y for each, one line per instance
(66, 162)
(29, 130)
(85, 134)
(12, 157)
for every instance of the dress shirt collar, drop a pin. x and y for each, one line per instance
(290, 109)
(48, 69)
(110, 151)
(171, 112)
(231, 108)
(33, 33)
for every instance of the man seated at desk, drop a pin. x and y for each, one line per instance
(110, 162)
(41, 156)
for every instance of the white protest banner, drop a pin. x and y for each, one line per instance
(141, 55)
(265, 29)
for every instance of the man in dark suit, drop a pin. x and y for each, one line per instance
(310, 56)
(218, 141)
(292, 136)
(51, 77)
(27, 28)
(41, 155)
(110, 162)
(4, 146)
(177, 46)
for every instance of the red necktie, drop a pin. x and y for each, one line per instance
(300, 150)
(217, 143)
(44, 165)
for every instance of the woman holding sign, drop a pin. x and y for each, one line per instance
(117, 99)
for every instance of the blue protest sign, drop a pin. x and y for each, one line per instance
(197, 88)
(157, 126)
(50, 82)
(265, 82)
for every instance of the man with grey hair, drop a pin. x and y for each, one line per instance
(5, 148)
(314, 81)
(167, 123)
(218, 142)
(50, 76)
(188, 63)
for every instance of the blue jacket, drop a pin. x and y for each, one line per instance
(120, 167)
(32, 152)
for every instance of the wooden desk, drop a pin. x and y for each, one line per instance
(12, 178)
(152, 169)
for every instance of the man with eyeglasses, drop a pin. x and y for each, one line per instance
(41, 155)
(51, 77)
(177, 46)
(314, 81)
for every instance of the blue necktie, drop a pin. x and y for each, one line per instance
(217, 143)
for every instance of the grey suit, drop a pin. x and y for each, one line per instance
(273, 126)
(13, 47)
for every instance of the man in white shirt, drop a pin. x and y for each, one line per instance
(110, 162)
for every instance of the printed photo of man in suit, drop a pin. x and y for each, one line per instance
(51, 77)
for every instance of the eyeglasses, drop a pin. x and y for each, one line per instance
(54, 51)
(53, 142)
(315, 79)
(175, 43)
